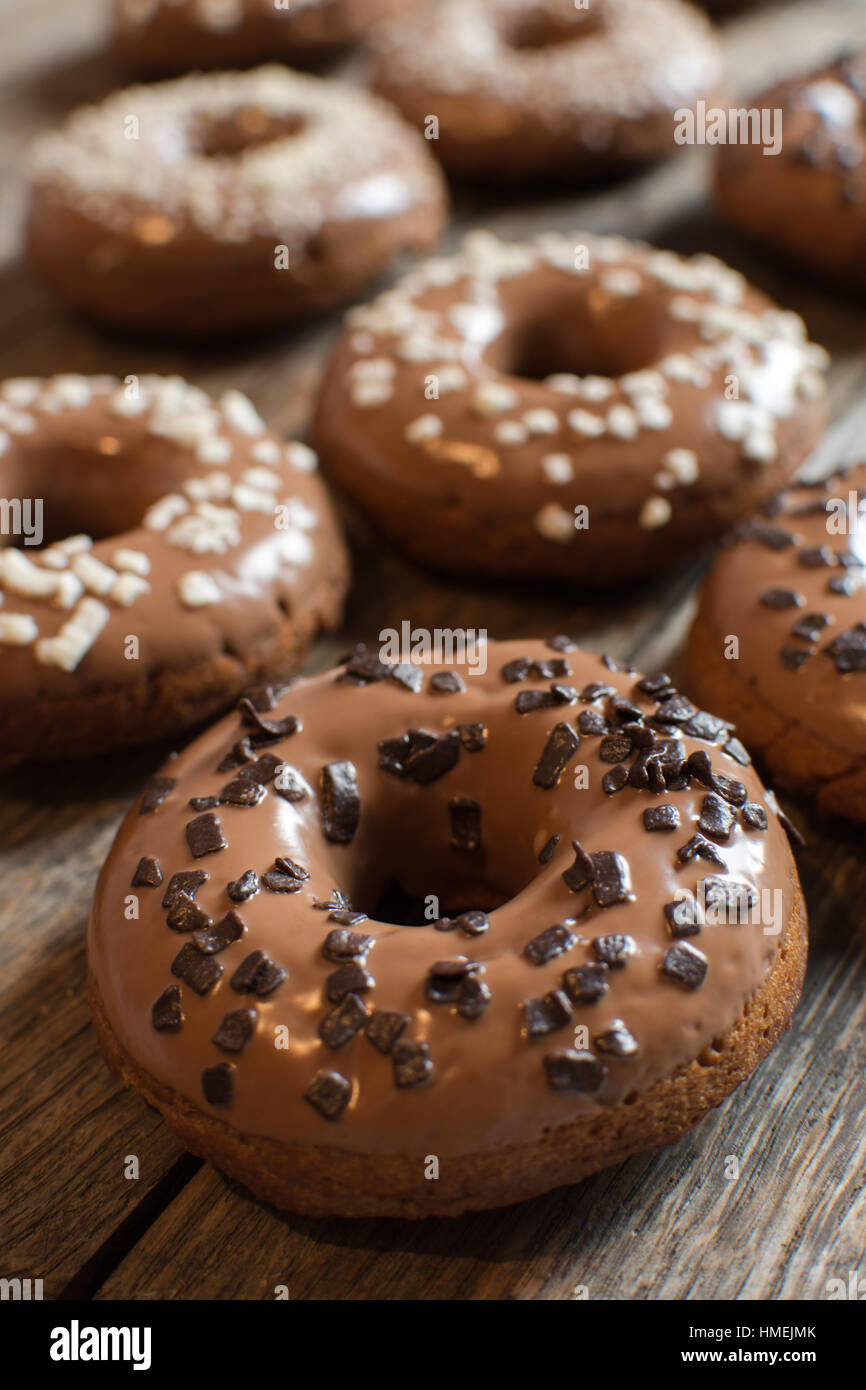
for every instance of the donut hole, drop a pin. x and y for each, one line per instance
(79, 487)
(407, 871)
(540, 26)
(598, 335)
(245, 128)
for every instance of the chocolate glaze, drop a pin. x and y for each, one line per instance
(488, 1084)
(828, 703)
(100, 471)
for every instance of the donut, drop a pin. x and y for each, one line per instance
(446, 928)
(566, 407)
(165, 551)
(510, 89)
(164, 36)
(791, 590)
(216, 203)
(809, 199)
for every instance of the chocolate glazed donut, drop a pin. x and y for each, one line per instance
(790, 588)
(541, 88)
(186, 552)
(523, 921)
(578, 407)
(168, 36)
(809, 200)
(217, 203)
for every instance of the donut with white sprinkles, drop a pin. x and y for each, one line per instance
(186, 551)
(582, 407)
(481, 955)
(217, 203)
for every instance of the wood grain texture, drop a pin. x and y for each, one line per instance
(669, 1225)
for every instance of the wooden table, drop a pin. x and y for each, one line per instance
(668, 1225)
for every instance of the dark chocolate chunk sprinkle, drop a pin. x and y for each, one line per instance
(344, 1022)
(848, 650)
(412, 1064)
(341, 802)
(364, 668)
(266, 730)
(614, 950)
(561, 643)
(199, 971)
(811, 626)
(683, 917)
(579, 875)
(465, 823)
(186, 883)
(155, 794)
(614, 664)
(516, 670)
(446, 979)
(614, 781)
(384, 1028)
(186, 915)
(243, 792)
(329, 1094)
(548, 849)
(814, 557)
(148, 874)
(735, 750)
(258, 975)
(574, 1071)
(409, 676)
(614, 747)
(586, 984)
(617, 1041)
(700, 848)
(592, 721)
(473, 923)
(561, 746)
(351, 978)
(595, 690)
(473, 737)
(528, 701)
(624, 711)
(218, 1084)
(545, 1015)
(204, 835)
(447, 683)
(611, 880)
(706, 726)
(167, 1014)
(726, 898)
(426, 764)
(782, 598)
(844, 584)
(754, 816)
(290, 785)
(474, 998)
(217, 936)
(243, 888)
(342, 944)
(346, 917)
(676, 710)
(655, 684)
(664, 817)
(278, 882)
(717, 818)
(235, 1030)
(685, 964)
(549, 944)
(204, 803)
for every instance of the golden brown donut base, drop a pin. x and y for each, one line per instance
(99, 720)
(796, 758)
(304, 37)
(322, 1181)
(202, 286)
(452, 538)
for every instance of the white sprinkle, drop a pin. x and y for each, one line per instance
(214, 450)
(541, 421)
(622, 422)
(131, 561)
(160, 516)
(644, 383)
(302, 457)
(653, 414)
(555, 523)
(382, 368)
(54, 558)
(127, 407)
(214, 487)
(21, 576)
(557, 468)
(761, 446)
(299, 515)
(75, 637)
(492, 397)
(295, 547)
(620, 280)
(196, 589)
(682, 463)
(510, 432)
(21, 391)
(240, 413)
(655, 512)
(680, 367)
(127, 588)
(564, 382)
(266, 451)
(366, 395)
(94, 575)
(450, 377)
(75, 391)
(424, 427)
(262, 478)
(76, 545)
(252, 499)
(17, 629)
(69, 590)
(596, 388)
(585, 423)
